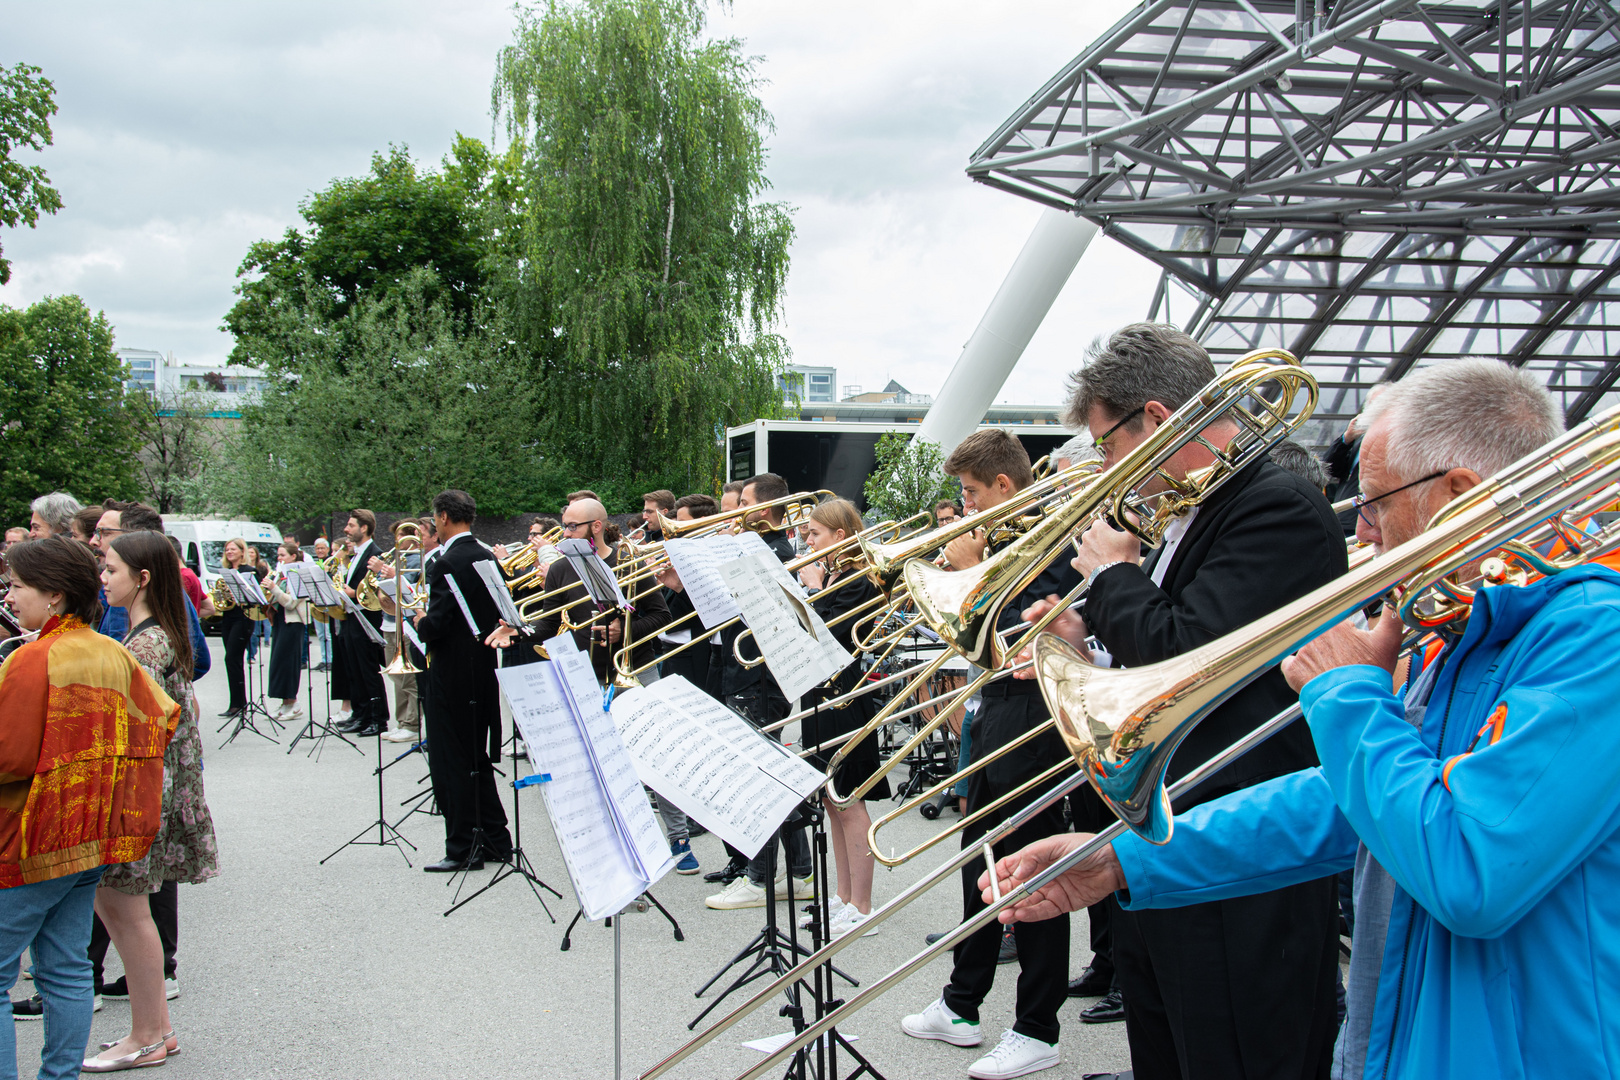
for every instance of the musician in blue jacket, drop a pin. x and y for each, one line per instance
(1476, 803)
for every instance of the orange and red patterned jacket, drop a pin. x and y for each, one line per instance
(82, 734)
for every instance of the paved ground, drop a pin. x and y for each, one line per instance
(289, 968)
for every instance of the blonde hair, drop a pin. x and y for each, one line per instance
(242, 546)
(840, 514)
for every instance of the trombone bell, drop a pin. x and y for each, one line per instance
(1124, 760)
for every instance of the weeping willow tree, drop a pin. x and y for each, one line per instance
(650, 279)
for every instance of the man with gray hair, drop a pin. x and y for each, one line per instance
(1471, 803)
(52, 515)
(1240, 986)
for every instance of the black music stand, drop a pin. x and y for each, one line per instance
(518, 865)
(317, 731)
(244, 720)
(387, 835)
(774, 953)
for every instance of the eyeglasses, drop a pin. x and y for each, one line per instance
(1361, 502)
(103, 533)
(1127, 418)
(571, 526)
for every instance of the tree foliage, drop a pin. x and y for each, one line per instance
(908, 477)
(365, 235)
(27, 102)
(178, 435)
(650, 280)
(406, 398)
(63, 421)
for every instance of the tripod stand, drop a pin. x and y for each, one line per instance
(318, 731)
(386, 834)
(254, 708)
(774, 953)
(519, 864)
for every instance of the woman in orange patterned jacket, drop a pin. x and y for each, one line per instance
(81, 785)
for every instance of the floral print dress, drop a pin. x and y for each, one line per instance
(184, 848)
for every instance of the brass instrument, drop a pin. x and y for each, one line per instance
(1123, 725)
(963, 606)
(407, 539)
(220, 593)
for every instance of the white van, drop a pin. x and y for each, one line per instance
(202, 543)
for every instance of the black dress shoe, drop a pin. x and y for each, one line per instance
(1109, 1010)
(349, 726)
(495, 856)
(232, 711)
(931, 938)
(1009, 947)
(369, 730)
(1091, 982)
(451, 866)
(733, 870)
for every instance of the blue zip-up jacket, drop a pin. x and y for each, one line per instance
(115, 624)
(1498, 820)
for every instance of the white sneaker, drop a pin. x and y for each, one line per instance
(401, 735)
(171, 988)
(938, 1022)
(741, 893)
(1014, 1055)
(835, 906)
(804, 888)
(291, 714)
(520, 750)
(851, 919)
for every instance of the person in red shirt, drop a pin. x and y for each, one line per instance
(193, 587)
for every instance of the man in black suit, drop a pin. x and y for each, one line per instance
(357, 671)
(1239, 987)
(464, 693)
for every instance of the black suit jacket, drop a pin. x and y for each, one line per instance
(734, 678)
(1264, 539)
(460, 668)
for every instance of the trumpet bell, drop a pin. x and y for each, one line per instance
(402, 665)
(961, 606)
(1124, 759)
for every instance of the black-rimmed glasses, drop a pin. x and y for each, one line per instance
(102, 534)
(1361, 502)
(1127, 418)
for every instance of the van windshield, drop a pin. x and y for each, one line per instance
(213, 553)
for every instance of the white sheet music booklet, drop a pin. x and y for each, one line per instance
(610, 841)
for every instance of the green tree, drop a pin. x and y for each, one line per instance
(365, 235)
(397, 400)
(177, 435)
(27, 103)
(63, 421)
(908, 477)
(650, 280)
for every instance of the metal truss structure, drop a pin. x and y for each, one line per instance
(1371, 185)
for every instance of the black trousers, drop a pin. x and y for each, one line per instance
(691, 663)
(1091, 815)
(1005, 712)
(357, 664)
(165, 913)
(463, 776)
(1241, 987)
(237, 631)
(289, 650)
(763, 704)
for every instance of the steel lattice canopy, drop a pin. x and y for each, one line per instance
(1369, 185)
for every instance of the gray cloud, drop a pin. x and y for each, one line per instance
(188, 131)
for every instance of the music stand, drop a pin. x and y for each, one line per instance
(518, 865)
(239, 588)
(386, 834)
(316, 587)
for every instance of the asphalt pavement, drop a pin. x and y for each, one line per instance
(291, 967)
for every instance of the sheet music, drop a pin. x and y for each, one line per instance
(698, 562)
(287, 579)
(632, 811)
(359, 613)
(599, 862)
(409, 629)
(386, 587)
(250, 588)
(318, 587)
(490, 571)
(728, 776)
(461, 601)
(594, 573)
(774, 609)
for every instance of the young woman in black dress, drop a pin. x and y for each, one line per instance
(832, 521)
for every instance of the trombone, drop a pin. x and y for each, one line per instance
(963, 606)
(1124, 747)
(407, 538)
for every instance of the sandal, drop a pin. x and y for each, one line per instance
(170, 1043)
(127, 1061)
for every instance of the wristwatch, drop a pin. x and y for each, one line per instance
(1091, 579)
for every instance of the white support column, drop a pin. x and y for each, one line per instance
(1037, 276)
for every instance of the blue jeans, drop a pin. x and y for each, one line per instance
(261, 629)
(54, 917)
(323, 631)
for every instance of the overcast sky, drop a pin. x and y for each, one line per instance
(188, 130)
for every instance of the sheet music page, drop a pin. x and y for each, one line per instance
(594, 574)
(698, 561)
(628, 799)
(799, 661)
(409, 629)
(714, 777)
(770, 756)
(319, 586)
(491, 573)
(602, 869)
(466, 612)
(251, 589)
(359, 613)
